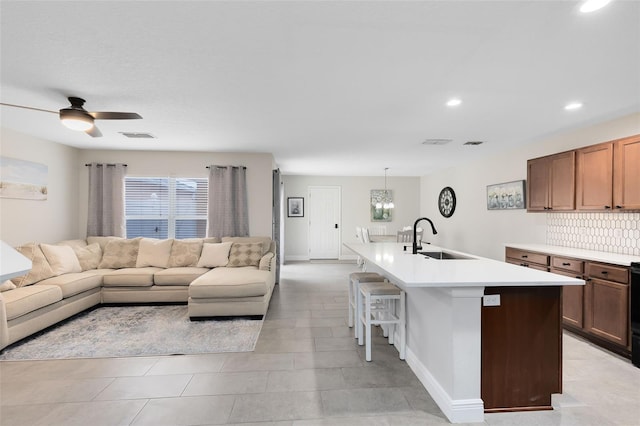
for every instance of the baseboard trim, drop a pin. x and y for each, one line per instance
(457, 411)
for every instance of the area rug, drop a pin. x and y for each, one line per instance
(122, 331)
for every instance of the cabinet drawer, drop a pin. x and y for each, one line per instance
(567, 264)
(527, 256)
(603, 271)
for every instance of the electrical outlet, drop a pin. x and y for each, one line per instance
(491, 300)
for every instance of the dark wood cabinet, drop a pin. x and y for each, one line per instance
(551, 182)
(594, 177)
(606, 303)
(626, 173)
(599, 310)
(572, 295)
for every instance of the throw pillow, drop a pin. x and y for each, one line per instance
(62, 259)
(185, 252)
(40, 268)
(6, 286)
(265, 262)
(245, 254)
(266, 241)
(89, 256)
(214, 255)
(153, 252)
(120, 253)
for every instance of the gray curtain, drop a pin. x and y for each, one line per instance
(106, 200)
(228, 210)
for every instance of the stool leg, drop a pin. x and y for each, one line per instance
(360, 320)
(403, 325)
(367, 328)
(351, 304)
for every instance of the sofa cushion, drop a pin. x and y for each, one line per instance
(23, 300)
(266, 241)
(102, 241)
(130, 277)
(214, 255)
(40, 268)
(62, 259)
(74, 283)
(229, 283)
(153, 252)
(8, 285)
(73, 243)
(89, 256)
(178, 276)
(120, 253)
(245, 254)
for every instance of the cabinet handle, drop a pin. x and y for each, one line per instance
(618, 207)
(566, 264)
(604, 272)
(524, 256)
(607, 207)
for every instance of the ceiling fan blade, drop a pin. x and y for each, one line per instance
(104, 115)
(26, 107)
(94, 132)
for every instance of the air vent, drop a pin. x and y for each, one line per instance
(134, 135)
(436, 141)
(474, 143)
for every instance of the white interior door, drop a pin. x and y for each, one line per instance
(324, 222)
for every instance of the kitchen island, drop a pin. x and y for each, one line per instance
(473, 358)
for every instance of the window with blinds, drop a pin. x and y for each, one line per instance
(166, 207)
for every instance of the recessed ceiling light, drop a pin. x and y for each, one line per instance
(573, 105)
(454, 102)
(593, 5)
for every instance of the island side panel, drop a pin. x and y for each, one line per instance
(522, 348)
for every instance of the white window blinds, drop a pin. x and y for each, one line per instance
(166, 207)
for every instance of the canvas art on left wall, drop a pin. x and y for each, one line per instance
(23, 179)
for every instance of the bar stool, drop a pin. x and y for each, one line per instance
(377, 304)
(354, 288)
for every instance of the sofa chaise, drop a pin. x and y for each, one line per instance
(232, 276)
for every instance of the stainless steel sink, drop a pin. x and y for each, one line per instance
(444, 255)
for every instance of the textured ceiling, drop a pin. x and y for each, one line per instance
(330, 88)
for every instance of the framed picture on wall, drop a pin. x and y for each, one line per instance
(295, 207)
(506, 196)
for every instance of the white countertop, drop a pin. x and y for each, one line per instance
(596, 256)
(419, 271)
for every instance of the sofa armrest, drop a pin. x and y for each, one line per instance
(266, 261)
(4, 328)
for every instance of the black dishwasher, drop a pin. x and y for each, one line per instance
(635, 313)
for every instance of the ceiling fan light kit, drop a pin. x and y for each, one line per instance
(76, 119)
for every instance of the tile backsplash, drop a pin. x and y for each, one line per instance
(608, 232)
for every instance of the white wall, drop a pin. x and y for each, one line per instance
(473, 228)
(356, 193)
(190, 164)
(50, 220)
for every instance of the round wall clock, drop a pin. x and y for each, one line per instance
(447, 202)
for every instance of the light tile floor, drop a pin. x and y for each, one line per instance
(306, 370)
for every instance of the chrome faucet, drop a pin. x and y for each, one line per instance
(417, 247)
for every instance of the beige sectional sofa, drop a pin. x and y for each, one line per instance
(234, 276)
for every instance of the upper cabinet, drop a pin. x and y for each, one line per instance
(594, 183)
(551, 182)
(599, 177)
(626, 173)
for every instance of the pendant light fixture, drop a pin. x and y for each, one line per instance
(386, 202)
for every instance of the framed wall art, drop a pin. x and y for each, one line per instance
(23, 179)
(506, 196)
(295, 207)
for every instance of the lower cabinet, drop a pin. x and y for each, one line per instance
(599, 310)
(606, 303)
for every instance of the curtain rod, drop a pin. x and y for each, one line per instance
(224, 167)
(108, 165)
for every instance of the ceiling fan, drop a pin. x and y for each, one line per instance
(76, 117)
